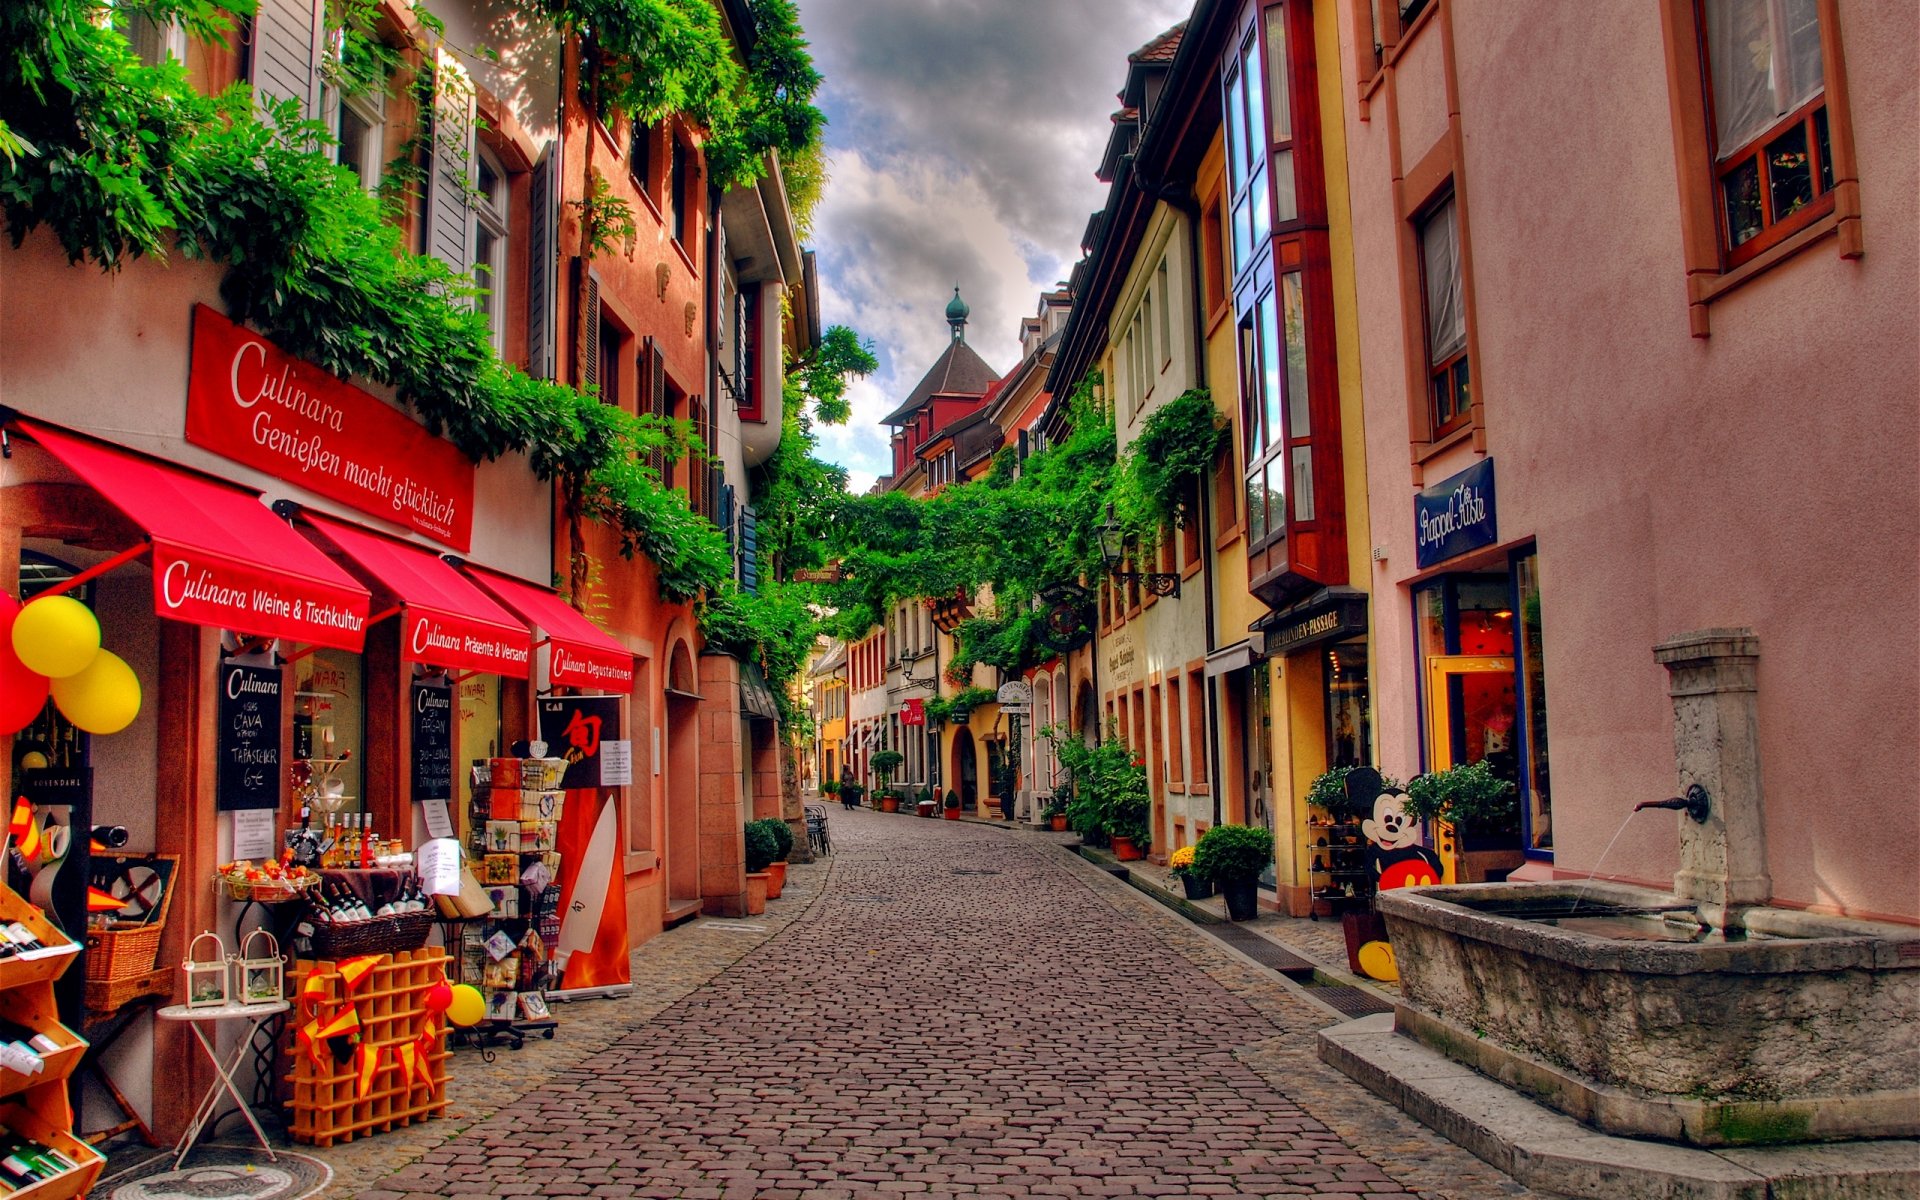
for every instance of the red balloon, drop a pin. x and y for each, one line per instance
(439, 997)
(23, 693)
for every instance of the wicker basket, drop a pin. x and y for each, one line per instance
(264, 891)
(390, 934)
(112, 995)
(117, 952)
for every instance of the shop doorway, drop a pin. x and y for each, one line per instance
(966, 770)
(1253, 690)
(682, 782)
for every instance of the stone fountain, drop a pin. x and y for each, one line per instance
(1703, 1017)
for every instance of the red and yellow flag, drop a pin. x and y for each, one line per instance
(24, 830)
(341, 1023)
(353, 970)
(100, 902)
(409, 1056)
(369, 1066)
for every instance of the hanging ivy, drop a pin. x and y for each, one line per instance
(1168, 463)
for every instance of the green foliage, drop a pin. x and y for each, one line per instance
(1110, 796)
(952, 799)
(960, 705)
(829, 787)
(1233, 853)
(1329, 791)
(605, 219)
(804, 172)
(886, 762)
(657, 57)
(131, 161)
(781, 834)
(761, 849)
(1168, 462)
(1470, 794)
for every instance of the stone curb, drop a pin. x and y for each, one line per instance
(1557, 1155)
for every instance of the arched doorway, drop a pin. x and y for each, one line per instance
(1089, 714)
(683, 779)
(966, 770)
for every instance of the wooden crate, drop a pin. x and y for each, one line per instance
(36, 1106)
(391, 1002)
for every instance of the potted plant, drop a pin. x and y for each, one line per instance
(1057, 813)
(850, 793)
(1483, 811)
(952, 805)
(1196, 885)
(1233, 857)
(1329, 791)
(884, 764)
(760, 849)
(830, 787)
(782, 848)
(925, 804)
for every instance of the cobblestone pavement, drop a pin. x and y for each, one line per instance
(957, 1010)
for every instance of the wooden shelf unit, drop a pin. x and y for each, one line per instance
(391, 1002)
(36, 1106)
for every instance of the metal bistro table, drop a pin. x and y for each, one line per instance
(196, 1019)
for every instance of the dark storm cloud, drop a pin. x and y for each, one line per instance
(962, 143)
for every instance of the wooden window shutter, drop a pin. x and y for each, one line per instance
(587, 370)
(450, 217)
(749, 550)
(287, 37)
(698, 478)
(543, 212)
(653, 395)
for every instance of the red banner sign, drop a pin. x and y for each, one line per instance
(913, 712)
(575, 665)
(446, 640)
(252, 402)
(205, 589)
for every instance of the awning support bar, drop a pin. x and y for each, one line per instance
(99, 569)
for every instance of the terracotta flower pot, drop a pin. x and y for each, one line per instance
(1059, 823)
(1125, 850)
(952, 814)
(776, 879)
(889, 804)
(757, 892)
(927, 808)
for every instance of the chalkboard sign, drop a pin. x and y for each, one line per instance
(249, 737)
(432, 742)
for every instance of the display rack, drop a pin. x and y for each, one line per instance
(513, 823)
(36, 1107)
(1337, 858)
(391, 1003)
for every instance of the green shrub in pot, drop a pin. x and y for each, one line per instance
(1233, 853)
(760, 848)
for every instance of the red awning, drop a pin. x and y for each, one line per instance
(582, 655)
(220, 557)
(445, 621)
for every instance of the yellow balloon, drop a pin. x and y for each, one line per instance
(1376, 962)
(56, 636)
(468, 1006)
(104, 698)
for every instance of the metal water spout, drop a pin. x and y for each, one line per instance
(1695, 803)
(1712, 679)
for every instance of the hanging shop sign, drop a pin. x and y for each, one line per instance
(831, 573)
(432, 718)
(574, 727)
(1326, 616)
(913, 712)
(247, 737)
(1455, 515)
(252, 402)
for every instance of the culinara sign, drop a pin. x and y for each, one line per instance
(252, 402)
(1455, 515)
(432, 718)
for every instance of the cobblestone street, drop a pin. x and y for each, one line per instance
(958, 1010)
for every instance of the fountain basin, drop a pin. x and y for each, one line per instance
(1627, 1014)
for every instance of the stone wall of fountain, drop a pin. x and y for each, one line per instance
(1702, 1016)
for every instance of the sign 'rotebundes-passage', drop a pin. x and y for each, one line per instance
(252, 402)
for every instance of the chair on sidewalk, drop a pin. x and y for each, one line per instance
(817, 829)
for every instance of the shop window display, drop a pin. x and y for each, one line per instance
(329, 729)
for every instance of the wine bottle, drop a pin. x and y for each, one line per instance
(366, 844)
(111, 836)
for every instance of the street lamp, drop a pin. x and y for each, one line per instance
(1113, 550)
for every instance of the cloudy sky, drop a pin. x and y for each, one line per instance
(962, 137)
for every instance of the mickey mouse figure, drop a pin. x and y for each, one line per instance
(1394, 853)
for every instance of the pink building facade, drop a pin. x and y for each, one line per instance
(1638, 313)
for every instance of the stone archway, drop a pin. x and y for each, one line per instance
(683, 778)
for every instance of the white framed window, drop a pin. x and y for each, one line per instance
(359, 126)
(490, 243)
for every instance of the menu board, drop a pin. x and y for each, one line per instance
(432, 709)
(248, 737)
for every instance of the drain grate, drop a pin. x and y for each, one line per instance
(974, 871)
(1264, 952)
(1353, 1001)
